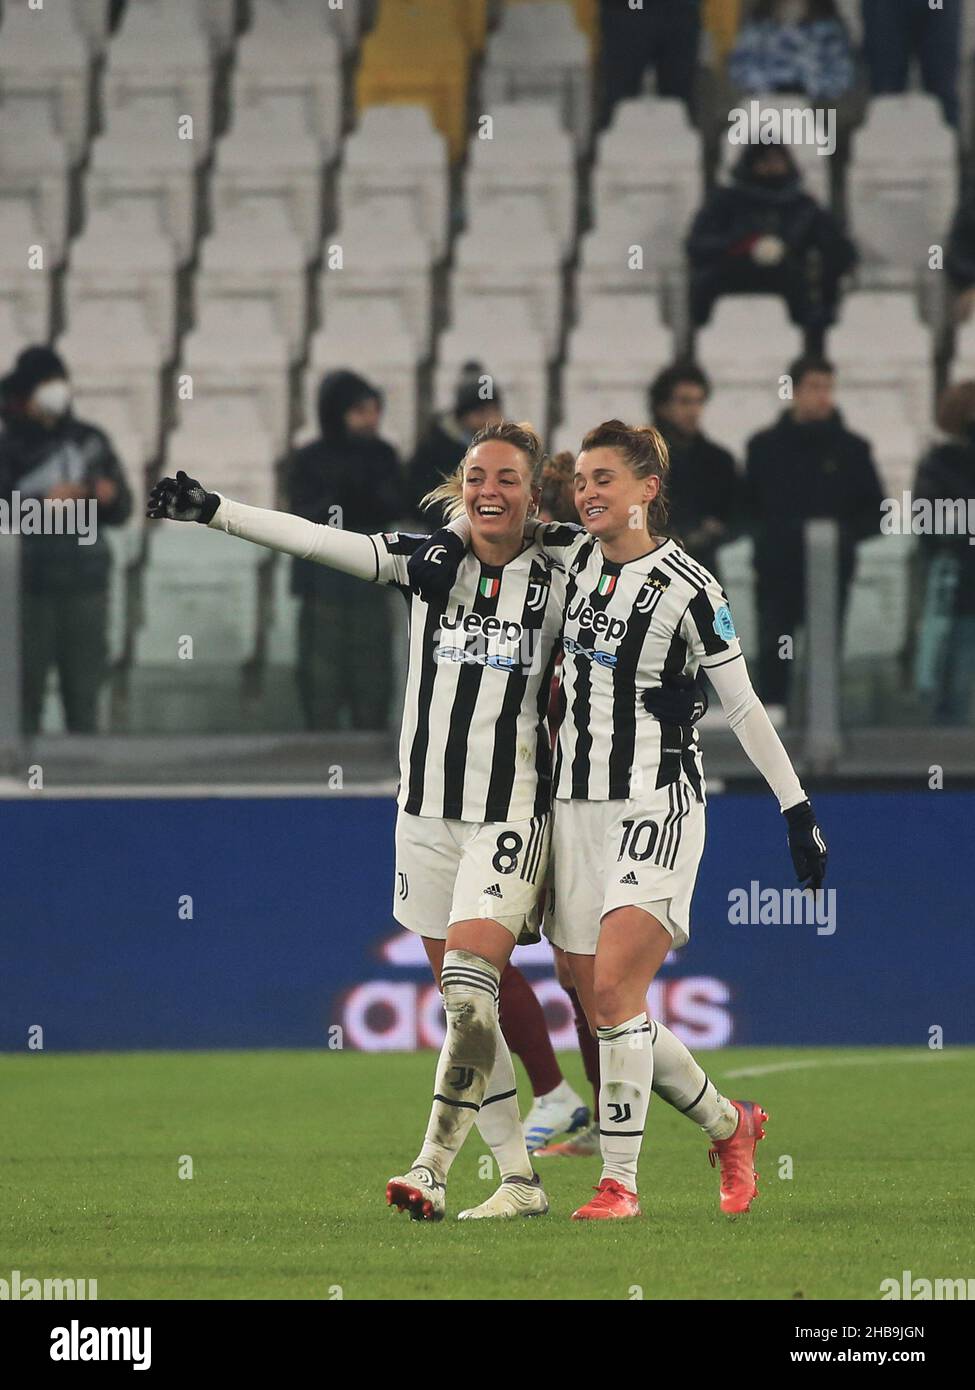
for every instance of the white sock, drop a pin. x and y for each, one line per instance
(682, 1083)
(626, 1075)
(470, 992)
(498, 1120)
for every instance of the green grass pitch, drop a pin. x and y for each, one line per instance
(291, 1152)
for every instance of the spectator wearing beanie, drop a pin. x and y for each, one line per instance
(701, 484)
(477, 403)
(350, 478)
(47, 453)
(764, 234)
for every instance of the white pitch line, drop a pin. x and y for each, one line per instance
(931, 1059)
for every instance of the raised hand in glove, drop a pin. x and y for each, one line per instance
(181, 499)
(806, 845)
(433, 566)
(678, 700)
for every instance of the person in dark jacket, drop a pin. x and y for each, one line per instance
(702, 484)
(763, 234)
(660, 34)
(477, 403)
(808, 464)
(946, 649)
(350, 478)
(47, 454)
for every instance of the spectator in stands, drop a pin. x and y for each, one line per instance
(894, 31)
(794, 46)
(662, 35)
(702, 484)
(763, 234)
(808, 464)
(946, 649)
(960, 256)
(477, 403)
(350, 478)
(47, 453)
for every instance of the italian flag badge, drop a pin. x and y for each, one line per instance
(489, 587)
(606, 585)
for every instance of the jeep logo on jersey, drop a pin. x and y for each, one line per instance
(654, 585)
(601, 623)
(506, 629)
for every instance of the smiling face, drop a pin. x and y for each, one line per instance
(498, 491)
(609, 498)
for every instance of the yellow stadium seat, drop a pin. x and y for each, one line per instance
(417, 55)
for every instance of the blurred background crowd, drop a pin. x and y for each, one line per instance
(304, 250)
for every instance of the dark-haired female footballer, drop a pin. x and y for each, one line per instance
(629, 793)
(473, 826)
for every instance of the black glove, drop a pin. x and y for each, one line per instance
(433, 566)
(806, 845)
(181, 499)
(678, 700)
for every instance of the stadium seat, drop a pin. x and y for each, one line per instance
(890, 393)
(161, 52)
(298, 61)
(256, 253)
(879, 605)
(614, 351)
(343, 21)
(508, 252)
(762, 323)
(538, 53)
(384, 258)
(15, 334)
(396, 157)
(29, 290)
(122, 253)
(110, 344)
(44, 57)
(238, 344)
(200, 584)
(526, 154)
(369, 336)
(222, 436)
(901, 187)
(613, 256)
(649, 163)
(410, 63)
(138, 157)
(502, 333)
(271, 152)
(34, 166)
(216, 18)
(112, 409)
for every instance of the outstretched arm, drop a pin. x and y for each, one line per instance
(184, 499)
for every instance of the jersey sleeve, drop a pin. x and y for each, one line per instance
(393, 551)
(560, 540)
(709, 629)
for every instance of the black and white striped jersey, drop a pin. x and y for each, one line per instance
(474, 744)
(626, 625)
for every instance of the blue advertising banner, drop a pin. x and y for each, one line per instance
(219, 923)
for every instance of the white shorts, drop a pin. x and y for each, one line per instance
(638, 853)
(452, 870)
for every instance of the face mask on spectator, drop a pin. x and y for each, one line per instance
(53, 397)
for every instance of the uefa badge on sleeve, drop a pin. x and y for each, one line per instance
(724, 624)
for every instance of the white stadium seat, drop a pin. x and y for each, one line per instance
(526, 155)
(369, 336)
(503, 335)
(44, 57)
(537, 53)
(29, 289)
(34, 165)
(299, 62)
(270, 151)
(901, 186)
(381, 259)
(509, 253)
(396, 158)
(222, 434)
(139, 157)
(614, 351)
(761, 323)
(122, 253)
(109, 343)
(161, 53)
(199, 584)
(649, 162)
(238, 344)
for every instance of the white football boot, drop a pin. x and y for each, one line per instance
(560, 1112)
(515, 1197)
(420, 1193)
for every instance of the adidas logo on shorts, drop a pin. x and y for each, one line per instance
(495, 891)
(630, 878)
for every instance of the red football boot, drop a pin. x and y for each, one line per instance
(739, 1180)
(613, 1201)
